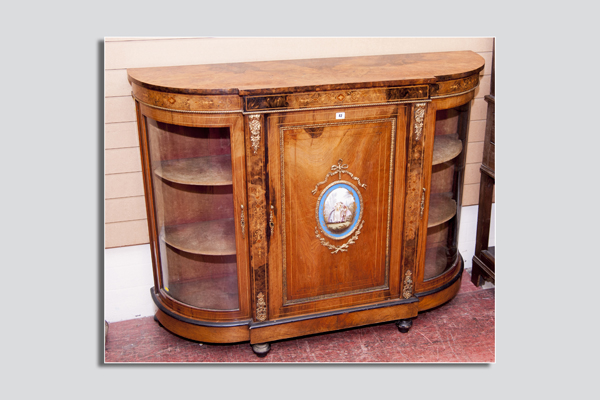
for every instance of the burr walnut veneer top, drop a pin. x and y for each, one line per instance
(271, 77)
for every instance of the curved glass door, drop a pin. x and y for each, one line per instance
(449, 149)
(193, 196)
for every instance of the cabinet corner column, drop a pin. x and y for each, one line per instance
(415, 196)
(257, 212)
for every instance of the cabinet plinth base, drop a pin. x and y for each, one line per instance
(261, 334)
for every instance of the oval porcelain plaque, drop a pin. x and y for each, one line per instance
(339, 210)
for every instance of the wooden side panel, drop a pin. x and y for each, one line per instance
(436, 299)
(233, 334)
(257, 213)
(420, 127)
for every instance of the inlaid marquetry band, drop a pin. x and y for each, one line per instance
(338, 98)
(455, 87)
(284, 110)
(270, 111)
(454, 94)
(221, 104)
(187, 102)
(185, 111)
(334, 107)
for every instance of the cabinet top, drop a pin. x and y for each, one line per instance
(318, 74)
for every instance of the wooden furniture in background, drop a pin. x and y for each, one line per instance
(484, 259)
(289, 198)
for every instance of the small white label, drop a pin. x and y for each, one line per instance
(341, 115)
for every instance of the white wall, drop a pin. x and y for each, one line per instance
(468, 233)
(127, 282)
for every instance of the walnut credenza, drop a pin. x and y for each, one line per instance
(289, 198)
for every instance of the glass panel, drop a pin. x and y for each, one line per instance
(193, 195)
(445, 192)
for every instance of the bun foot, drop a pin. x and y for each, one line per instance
(261, 349)
(404, 325)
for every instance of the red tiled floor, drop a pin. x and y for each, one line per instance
(462, 330)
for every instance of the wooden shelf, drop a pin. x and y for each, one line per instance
(214, 238)
(205, 171)
(441, 209)
(445, 148)
(210, 294)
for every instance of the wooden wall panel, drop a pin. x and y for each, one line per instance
(121, 135)
(125, 209)
(117, 161)
(116, 84)
(484, 86)
(479, 109)
(472, 173)
(476, 131)
(123, 185)
(474, 152)
(119, 109)
(123, 181)
(471, 194)
(118, 234)
(187, 51)
(487, 56)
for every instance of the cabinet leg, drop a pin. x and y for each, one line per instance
(404, 325)
(261, 349)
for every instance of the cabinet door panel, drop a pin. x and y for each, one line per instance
(332, 184)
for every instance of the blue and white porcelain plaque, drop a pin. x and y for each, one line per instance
(339, 209)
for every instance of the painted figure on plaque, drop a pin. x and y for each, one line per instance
(339, 209)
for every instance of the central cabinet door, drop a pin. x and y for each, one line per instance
(336, 189)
